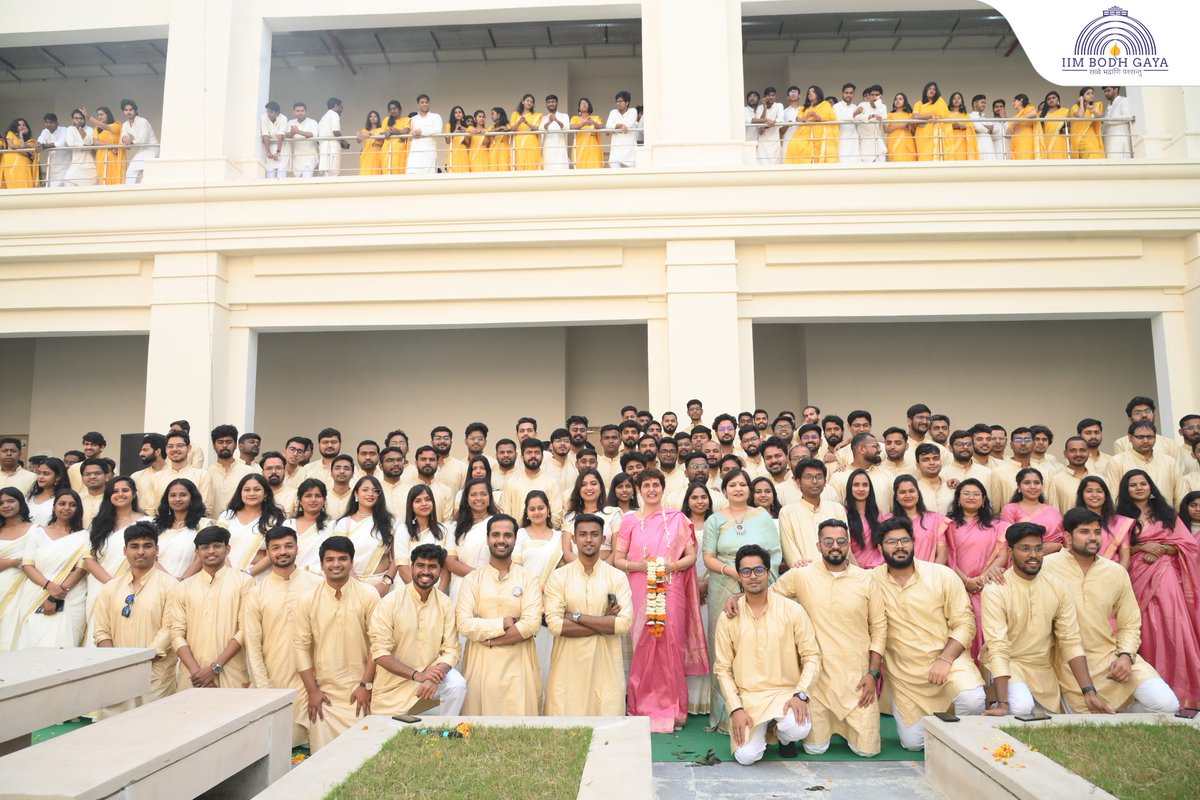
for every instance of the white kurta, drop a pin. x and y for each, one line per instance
(330, 152)
(422, 153)
(554, 145)
(273, 131)
(847, 132)
(622, 148)
(770, 148)
(872, 141)
(985, 130)
(56, 160)
(1118, 142)
(301, 151)
(82, 169)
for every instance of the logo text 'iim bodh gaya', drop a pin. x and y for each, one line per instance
(1115, 44)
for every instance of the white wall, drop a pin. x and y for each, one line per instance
(32, 99)
(1007, 373)
(606, 369)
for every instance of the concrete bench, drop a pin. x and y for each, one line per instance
(43, 686)
(236, 740)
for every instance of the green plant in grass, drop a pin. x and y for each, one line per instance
(512, 763)
(1133, 761)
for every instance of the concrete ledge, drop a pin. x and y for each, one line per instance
(959, 762)
(618, 762)
(43, 686)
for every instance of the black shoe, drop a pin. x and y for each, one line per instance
(788, 750)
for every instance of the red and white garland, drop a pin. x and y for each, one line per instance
(656, 596)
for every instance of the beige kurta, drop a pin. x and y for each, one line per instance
(992, 482)
(798, 526)
(587, 674)
(846, 610)
(787, 490)
(923, 615)
(331, 640)
(20, 478)
(1162, 469)
(419, 634)
(146, 481)
(501, 681)
(270, 630)
(443, 498)
(225, 480)
(1101, 595)
(451, 473)
(520, 483)
(197, 476)
(146, 626)
(881, 482)
(761, 661)
(204, 613)
(1062, 488)
(938, 497)
(91, 505)
(1027, 626)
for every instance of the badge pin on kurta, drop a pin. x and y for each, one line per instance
(518, 591)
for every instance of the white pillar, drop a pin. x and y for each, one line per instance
(1168, 121)
(189, 343)
(241, 378)
(692, 82)
(218, 67)
(703, 337)
(658, 360)
(746, 359)
(1173, 368)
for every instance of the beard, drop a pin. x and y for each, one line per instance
(897, 563)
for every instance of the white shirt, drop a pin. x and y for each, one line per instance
(790, 115)
(273, 130)
(872, 140)
(985, 129)
(748, 115)
(301, 145)
(623, 146)
(429, 124)
(58, 138)
(999, 140)
(1118, 107)
(554, 143)
(139, 130)
(332, 121)
(774, 113)
(83, 162)
(847, 131)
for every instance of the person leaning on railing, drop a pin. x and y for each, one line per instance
(110, 164)
(1085, 136)
(18, 159)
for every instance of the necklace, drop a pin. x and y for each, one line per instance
(739, 526)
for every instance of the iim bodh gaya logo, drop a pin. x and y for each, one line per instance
(1114, 44)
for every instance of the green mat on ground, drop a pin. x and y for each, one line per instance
(693, 744)
(59, 730)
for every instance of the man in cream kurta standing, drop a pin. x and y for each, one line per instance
(422, 151)
(329, 127)
(872, 141)
(302, 150)
(499, 611)
(333, 650)
(848, 112)
(270, 628)
(414, 641)
(589, 608)
(766, 661)
(985, 131)
(137, 131)
(554, 143)
(1117, 135)
(1029, 623)
(622, 145)
(769, 114)
(272, 128)
(846, 610)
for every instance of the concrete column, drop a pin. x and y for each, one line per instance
(746, 359)
(188, 354)
(658, 360)
(692, 82)
(1168, 121)
(1173, 367)
(241, 378)
(217, 75)
(704, 339)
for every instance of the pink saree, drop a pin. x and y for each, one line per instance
(658, 674)
(969, 548)
(1046, 516)
(1168, 592)
(929, 530)
(1115, 532)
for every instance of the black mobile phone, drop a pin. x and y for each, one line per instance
(1035, 717)
(406, 718)
(612, 599)
(1187, 713)
(946, 716)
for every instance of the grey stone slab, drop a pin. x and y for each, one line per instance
(865, 780)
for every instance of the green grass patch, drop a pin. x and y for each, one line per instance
(512, 763)
(1133, 761)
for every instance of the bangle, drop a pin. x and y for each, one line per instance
(46, 584)
(943, 658)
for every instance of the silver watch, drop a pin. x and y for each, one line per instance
(368, 685)
(576, 616)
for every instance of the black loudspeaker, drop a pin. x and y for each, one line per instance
(131, 447)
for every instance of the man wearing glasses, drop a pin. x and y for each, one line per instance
(930, 628)
(766, 661)
(1162, 468)
(799, 520)
(130, 612)
(845, 607)
(1029, 623)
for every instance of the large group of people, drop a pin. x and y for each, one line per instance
(496, 140)
(788, 578)
(96, 149)
(813, 128)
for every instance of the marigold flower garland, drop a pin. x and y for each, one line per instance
(656, 596)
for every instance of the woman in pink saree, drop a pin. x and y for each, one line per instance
(658, 675)
(1093, 494)
(976, 547)
(1028, 504)
(929, 527)
(1165, 571)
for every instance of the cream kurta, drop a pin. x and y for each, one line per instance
(922, 616)
(269, 623)
(177, 548)
(1028, 625)
(443, 498)
(798, 526)
(761, 661)
(451, 473)
(146, 626)
(336, 504)
(846, 611)
(881, 482)
(1063, 487)
(204, 613)
(245, 539)
(1162, 469)
(1102, 594)
(787, 491)
(419, 634)
(194, 474)
(936, 498)
(331, 640)
(91, 504)
(587, 674)
(224, 481)
(501, 681)
(20, 478)
(521, 483)
(146, 481)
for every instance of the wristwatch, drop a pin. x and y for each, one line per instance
(576, 616)
(216, 668)
(802, 696)
(1127, 655)
(388, 579)
(874, 673)
(368, 685)
(1088, 688)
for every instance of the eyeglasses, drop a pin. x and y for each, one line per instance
(128, 609)
(725, 428)
(1029, 548)
(757, 572)
(839, 542)
(903, 542)
(295, 450)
